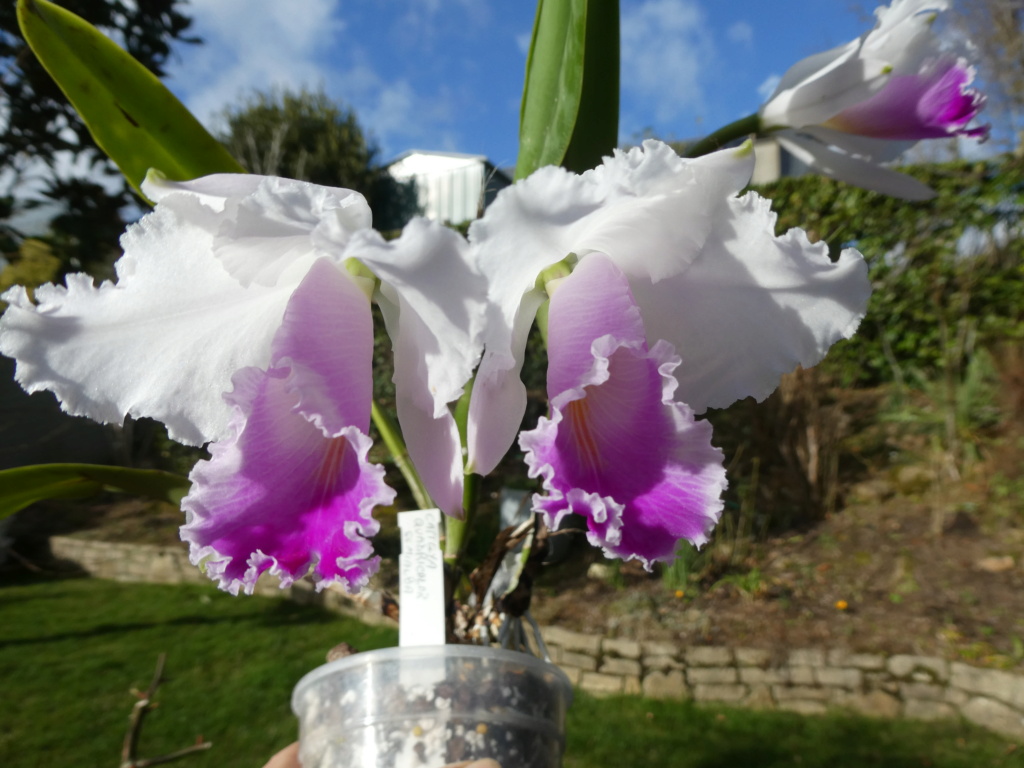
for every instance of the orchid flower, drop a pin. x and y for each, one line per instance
(236, 321)
(681, 298)
(845, 110)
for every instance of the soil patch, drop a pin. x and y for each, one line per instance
(937, 572)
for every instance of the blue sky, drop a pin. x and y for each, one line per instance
(447, 74)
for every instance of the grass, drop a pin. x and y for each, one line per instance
(628, 731)
(71, 650)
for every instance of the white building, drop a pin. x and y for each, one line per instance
(772, 162)
(451, 187)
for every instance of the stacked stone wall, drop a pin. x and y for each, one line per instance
(170, 565)
(804, 680)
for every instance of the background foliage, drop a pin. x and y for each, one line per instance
(306, 135)
(43, 137)
(947, 274)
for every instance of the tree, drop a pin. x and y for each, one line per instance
(306, 135)
(41, 135)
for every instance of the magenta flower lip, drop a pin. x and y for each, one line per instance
(933, 105)
(291, 489)
(618, 449)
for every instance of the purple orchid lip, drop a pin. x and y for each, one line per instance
(291, 488)
(931, 105)
(618, 449)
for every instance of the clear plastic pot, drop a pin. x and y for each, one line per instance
(428, 706)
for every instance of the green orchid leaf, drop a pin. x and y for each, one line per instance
(596, 133)
(22, 486)
(130, 113)
(570, 109)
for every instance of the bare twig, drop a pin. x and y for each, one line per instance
(25, 561)
(148, 761)
(139, 711)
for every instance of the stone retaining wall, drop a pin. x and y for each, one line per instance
(805, 680)
(170, 565)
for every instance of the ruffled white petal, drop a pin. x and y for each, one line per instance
(162, 342)
(264, 226)
(752, 306)
(647, 209)
(201, 290)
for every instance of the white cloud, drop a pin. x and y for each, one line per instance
(767, 88)
(523, 42)
(666, 45)
(252, 45)
(741, 32)
(257, 45)
(425, 24)
(393, 112)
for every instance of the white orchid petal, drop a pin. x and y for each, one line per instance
(812, 65)
(442, 301)
(499, 396)
(271, 230)
(436, 452)
(432, 438)
(903, 33)
(873, 150)
(642, 208)
(853, 170)
(162, 342)
(214, 191)
(752, 307)
(647, 209)
(264, 226)
(639, 207)
(827, 94)
(433, 301)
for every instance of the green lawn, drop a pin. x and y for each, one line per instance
(71, 650)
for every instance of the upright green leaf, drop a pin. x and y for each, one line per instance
(133, 117)
(22, 486)
(570, 109)
(596, 132)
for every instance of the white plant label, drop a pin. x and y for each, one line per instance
(420, 579)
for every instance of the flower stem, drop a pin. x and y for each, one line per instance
(742, 128)
(455, 531)
(400, 455)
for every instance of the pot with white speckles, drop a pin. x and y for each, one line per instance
(423, 707)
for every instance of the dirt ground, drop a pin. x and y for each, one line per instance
(898, 577)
